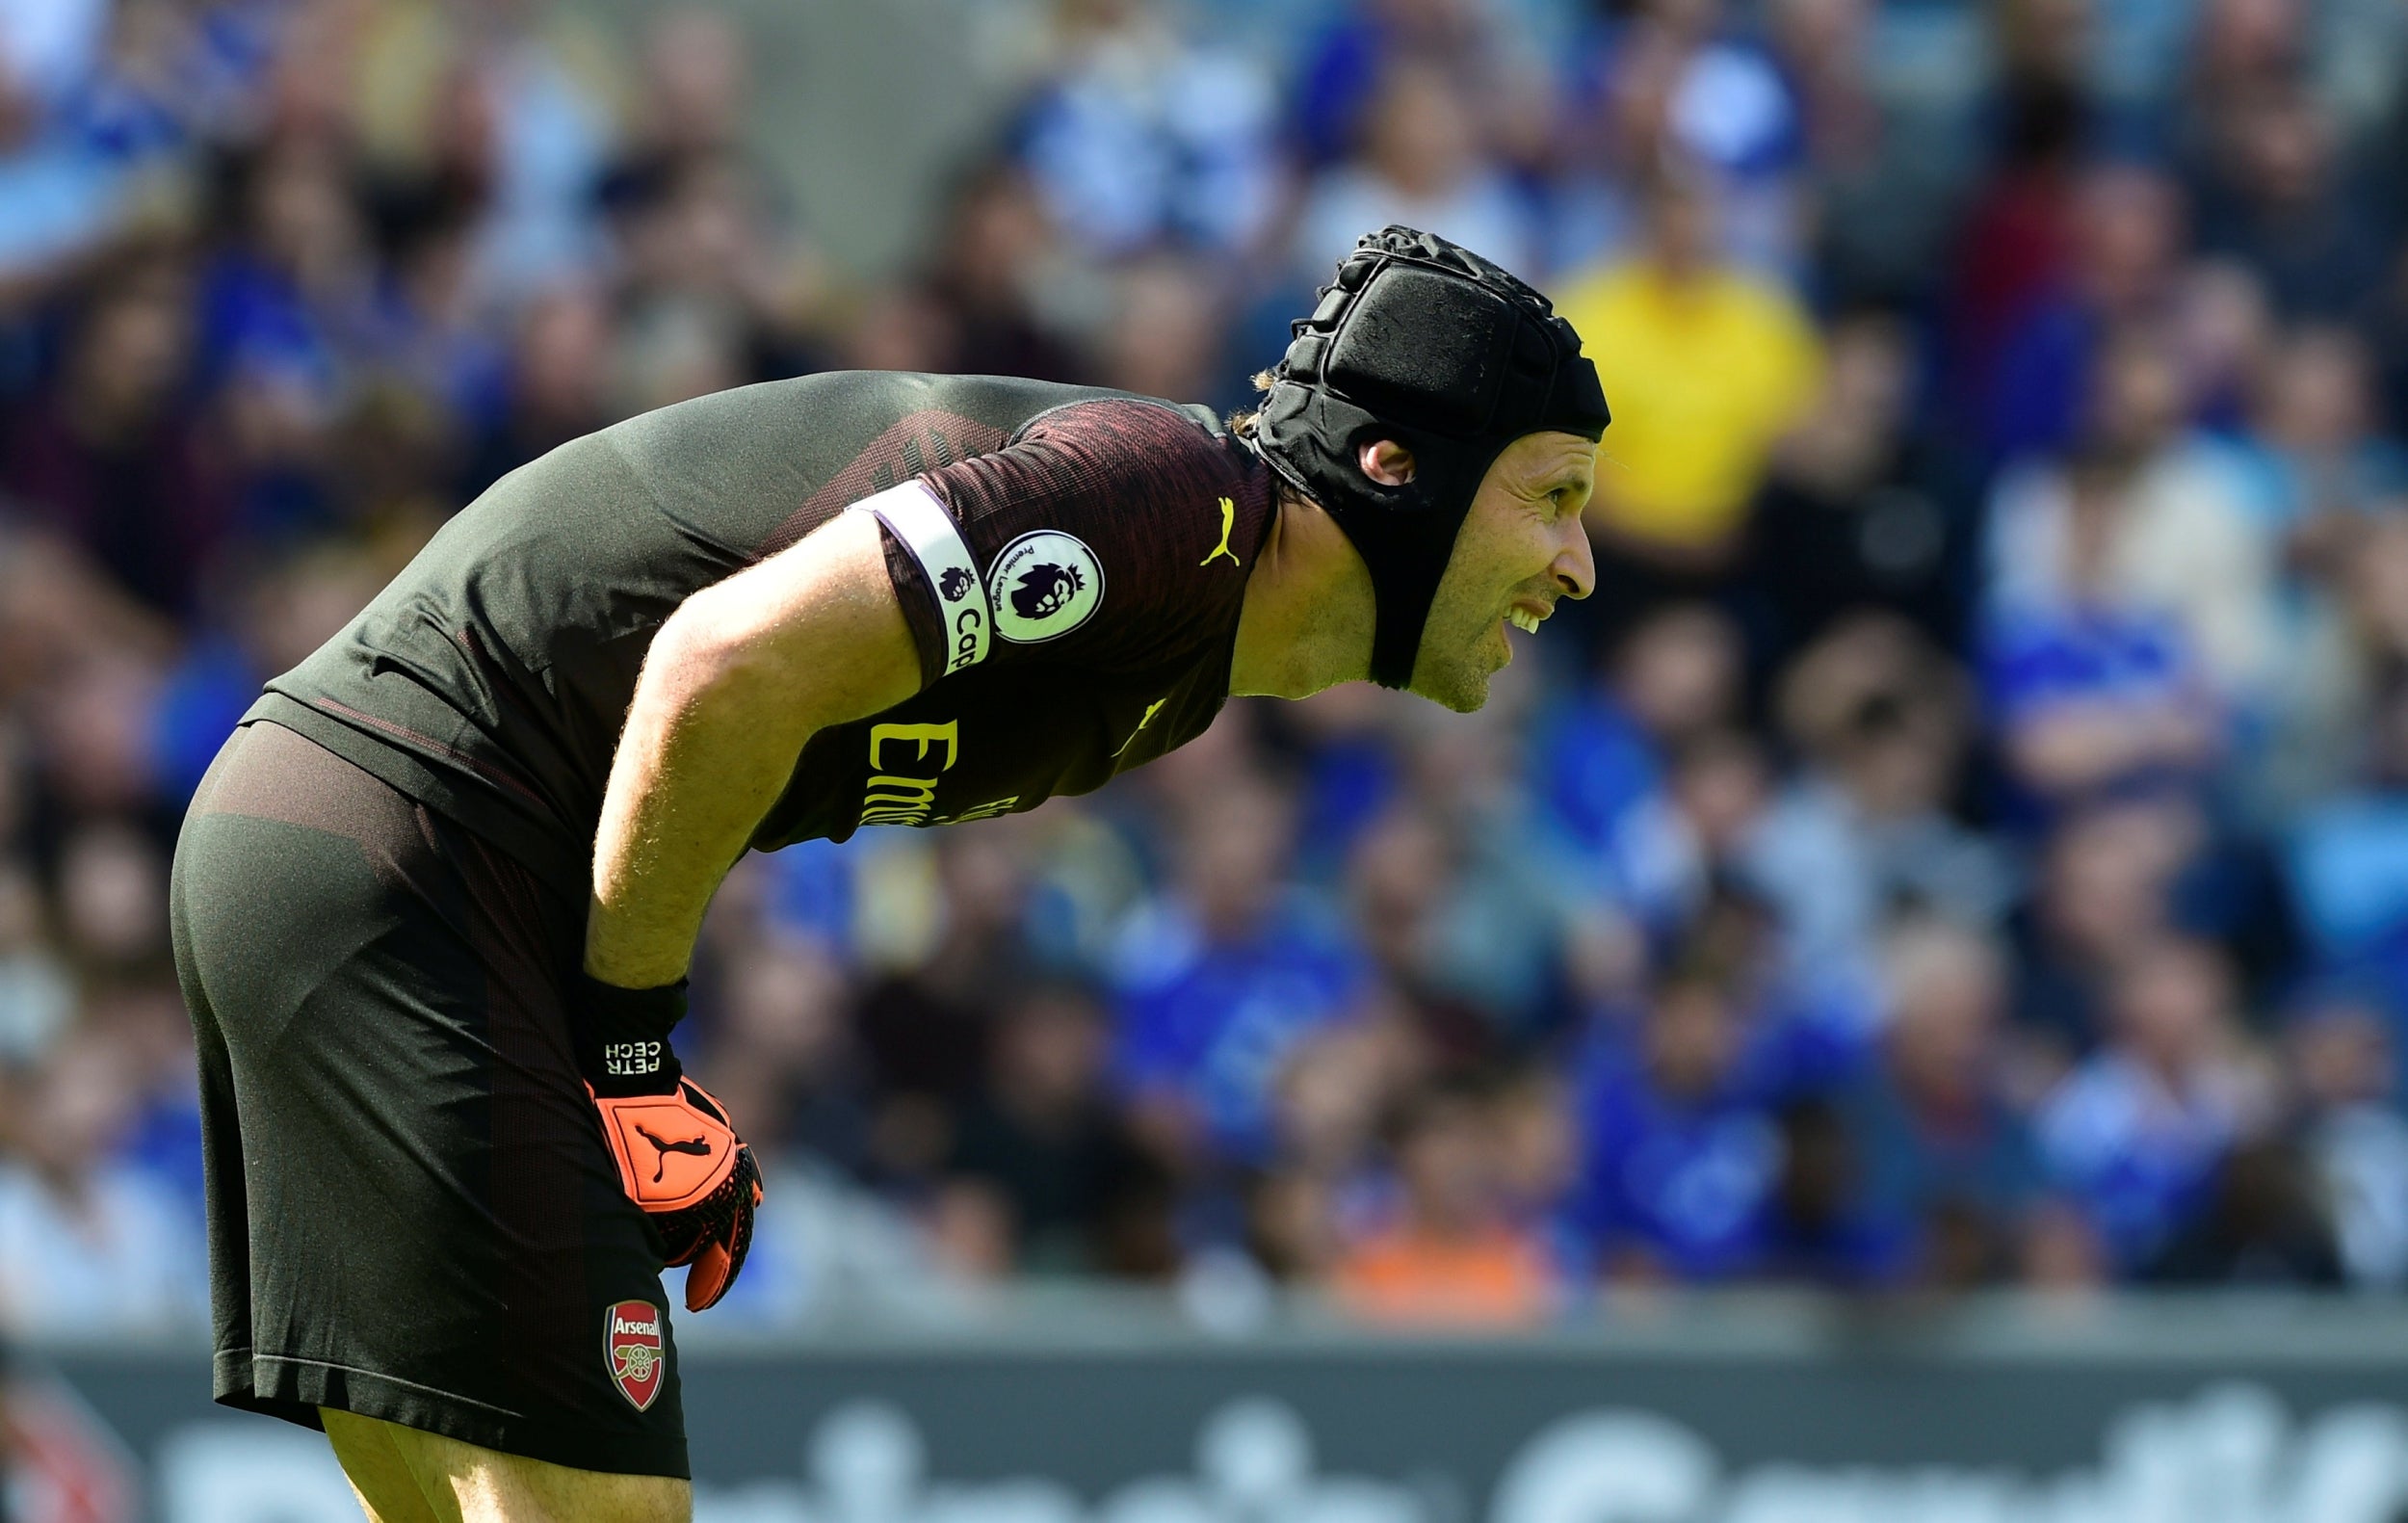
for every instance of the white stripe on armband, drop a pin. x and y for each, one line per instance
(914, 516)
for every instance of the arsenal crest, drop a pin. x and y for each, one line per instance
(634, 1351)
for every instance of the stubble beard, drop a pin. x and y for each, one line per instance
(1455, 667)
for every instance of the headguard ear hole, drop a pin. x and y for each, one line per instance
(1387, 462)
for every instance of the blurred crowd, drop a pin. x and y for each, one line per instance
(1964, 842)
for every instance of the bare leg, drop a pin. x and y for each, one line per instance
(450, 1482)
(388, 1492)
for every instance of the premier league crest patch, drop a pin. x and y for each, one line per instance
(1046, 584)
(634, 1351)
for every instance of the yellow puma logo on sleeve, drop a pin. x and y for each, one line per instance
(1228, 521)
(1151, 709)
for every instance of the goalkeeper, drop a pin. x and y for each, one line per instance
(433, 903)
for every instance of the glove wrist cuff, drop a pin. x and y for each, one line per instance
(623, 1045)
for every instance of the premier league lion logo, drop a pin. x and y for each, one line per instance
(954, 583)
(1045, 584)
(1045, 590)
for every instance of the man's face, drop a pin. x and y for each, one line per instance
(1521, 547)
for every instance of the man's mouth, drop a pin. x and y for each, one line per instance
(1526, 618)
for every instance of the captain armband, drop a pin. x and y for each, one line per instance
(912, 514)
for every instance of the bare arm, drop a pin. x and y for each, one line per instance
(738, 678)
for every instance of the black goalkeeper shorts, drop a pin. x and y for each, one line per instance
(412, 1213)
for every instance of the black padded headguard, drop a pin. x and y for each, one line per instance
(1423, 342)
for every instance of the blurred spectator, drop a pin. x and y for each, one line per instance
(1680, 1159)
(1861, 508)
(64, 192)
(1796, 868)
(1818, 1228)
(1164, 341)
(1538, 1151)
(1494, 68)
(94, 743)
(1450, 1255)
(2221, 331)
(1881, 723)
(1220, 978)
(2012, 241)
(926, 1026)
(672, 351)
(2260, 1227)
(1672, 81)
(1601, 758)
(997, 250)
(37, 994)
(1144, 138)
(2104, 888)
(112, 458)
(2343, 859)
(1405, 884)
(697, 86)
(1777, 900)
(272, 615)
(2236, 48)
(1881, 168)
(2319, 473)
(136, 1260)
(700, 246)
(2091, 693)
(2375, 584)
(2273, 194)
(1420, 162)
(2313, 431)
(112, 895)
(902, 328)
(516, 107)
(2143, 523)
(1077, 1190)
(1336, 1088)
(2062, 1254)
(1707, 367)
(782, 1054)
(2124, 231)
(1486, 937)
(1949, 1155)
(2344, 1051)
(286, 303)
(555, 387)
(2139, 1133)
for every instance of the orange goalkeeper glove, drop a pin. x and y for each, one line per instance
(679, 1157)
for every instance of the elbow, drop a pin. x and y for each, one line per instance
(700, 653)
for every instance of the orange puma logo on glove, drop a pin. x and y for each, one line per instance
(705, 1214)
(693, 1147)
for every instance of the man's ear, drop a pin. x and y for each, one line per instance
(1386, 461)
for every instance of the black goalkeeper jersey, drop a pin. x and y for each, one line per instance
(1071, 561)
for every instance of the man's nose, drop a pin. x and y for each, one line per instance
(1575, 564)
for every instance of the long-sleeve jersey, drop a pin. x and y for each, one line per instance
(1071, 562)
